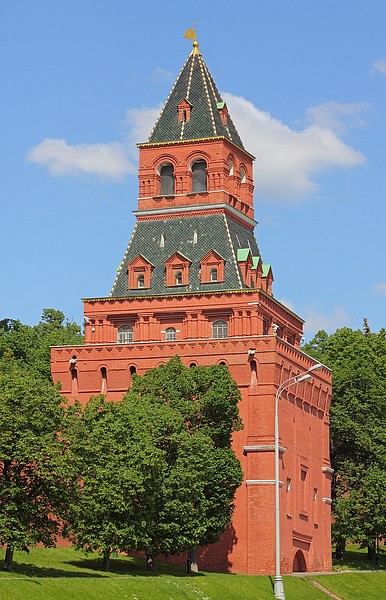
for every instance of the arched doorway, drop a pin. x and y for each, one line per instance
(299, 564)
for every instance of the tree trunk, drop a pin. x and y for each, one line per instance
(371, 551)
(8, 561)
(191, 563)
(106, 559)
(150, 562)
(340, 549)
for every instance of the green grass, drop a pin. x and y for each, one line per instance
(63, 574)
(353, 586)
(355, 559)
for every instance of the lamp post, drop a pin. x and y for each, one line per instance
(278, 581)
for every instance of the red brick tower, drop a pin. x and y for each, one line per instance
(192, 282)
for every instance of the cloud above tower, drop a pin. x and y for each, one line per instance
(289, 161)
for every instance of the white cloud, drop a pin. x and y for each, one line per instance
(288, 160)
(108, 161)
(379, 66)
(316, 320)
(140, 122)
(337, 116)
(380, 288)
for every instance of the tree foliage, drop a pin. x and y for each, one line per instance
(157, 470)
(36, 474)
(30, 345)
(358, 430)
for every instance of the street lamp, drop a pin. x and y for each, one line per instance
(278, 581)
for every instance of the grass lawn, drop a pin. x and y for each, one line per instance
(63, 574)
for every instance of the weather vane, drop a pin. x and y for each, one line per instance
(191, 35)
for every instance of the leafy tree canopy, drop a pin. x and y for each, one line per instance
(157, 470)
(36, 474)
(358, 429)
(30, 345)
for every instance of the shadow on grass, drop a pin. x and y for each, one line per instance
(31, 570)
(132, 568)
(357, 561)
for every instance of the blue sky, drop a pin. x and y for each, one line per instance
(305, 82)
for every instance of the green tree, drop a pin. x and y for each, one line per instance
(36, 475)
(194, 498)
(30, 345)
(156, 470)
(117, 477)
(358, 431)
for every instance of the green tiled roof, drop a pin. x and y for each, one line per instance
(193, 237)
(194, 84)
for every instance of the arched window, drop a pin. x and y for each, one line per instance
(199, 176)
(141, 280)
(230, 166)
(125, 334)
(243, 177)
(167, 180)
(213, 275)
(170, 334)
(133, 370)
(219, 329)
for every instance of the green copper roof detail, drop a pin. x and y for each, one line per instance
(242, 254)
(255, 261)
(195, 85)
(266, 269)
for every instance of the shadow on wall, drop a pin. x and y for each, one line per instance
(215, 557)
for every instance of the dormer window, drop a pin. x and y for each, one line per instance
(139, 272)
(184, 109)
(212, 268)
(167, 180)
(177, 270)
(199, 179)
(223, 110)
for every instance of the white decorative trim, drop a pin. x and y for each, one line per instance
(264, 448)
(327, 500)
(262, 482)
(327, 470)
